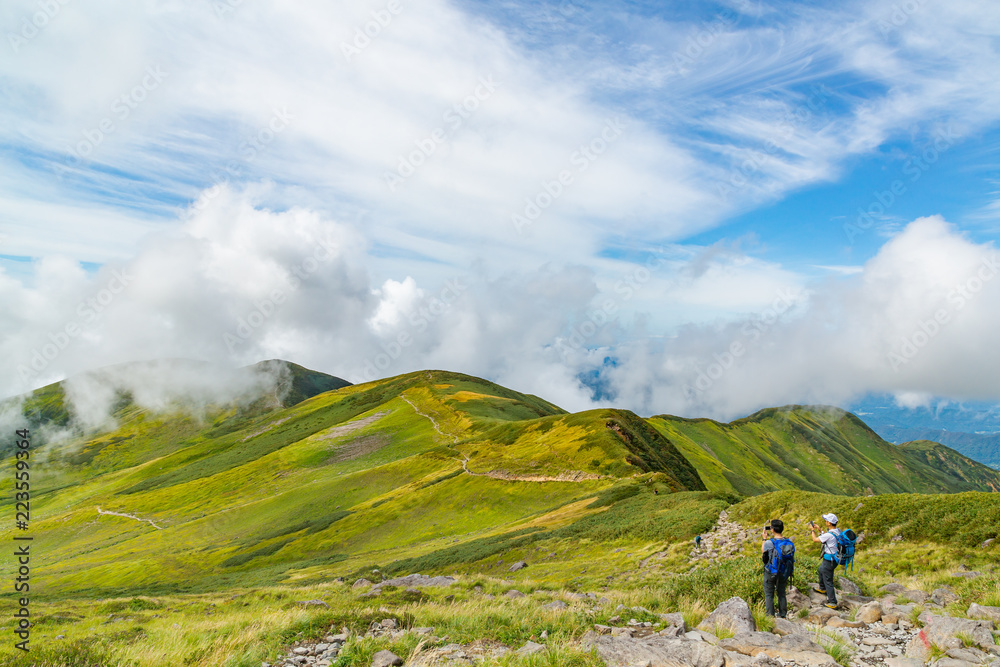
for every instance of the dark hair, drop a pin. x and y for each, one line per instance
(777, 525)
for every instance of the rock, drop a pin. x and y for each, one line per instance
(672, 631)
(838, 622)
(796, 599)
(894, 588)
(968, 655)
(654, 651)
(985, 613)
(386, 659)
(602, 629)
(870, 613)
(416, 581)
(622, 632)
(733, 614)
(749, 643)
(422, 631)
(784, 627)
(556, 605)
(531, 648)
(674, 620)
(987, 543)
(301, 650)
(361, 583)
(804, 658)
(520, 565)
(941, 629)
(313, 603)
(820, 615)
(514, 593)
(389, 623)
(967, 575)
(952, 662)
(917, 596)
(876, 641)
(903, 662)
(848, 586)
(944, 596)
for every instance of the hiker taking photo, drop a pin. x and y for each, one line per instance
(778, 554)
(829, 563)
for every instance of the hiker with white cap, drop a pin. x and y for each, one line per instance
(829, 563)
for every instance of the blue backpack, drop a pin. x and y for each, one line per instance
(845, 548)
(782, 558)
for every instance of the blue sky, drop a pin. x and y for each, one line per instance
(623, 191)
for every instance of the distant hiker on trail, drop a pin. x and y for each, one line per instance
(697, 541)
(778, 554)
(829, 563)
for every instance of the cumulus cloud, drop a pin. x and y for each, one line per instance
(240, 282)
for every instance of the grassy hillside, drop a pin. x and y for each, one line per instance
(820, 449)
(430, 471)
(387, 471)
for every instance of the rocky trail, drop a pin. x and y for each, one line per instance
(862, 632)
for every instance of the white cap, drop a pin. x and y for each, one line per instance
(832, 518)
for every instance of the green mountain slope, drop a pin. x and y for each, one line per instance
(428, 471)
(816, 448)
(376, 472)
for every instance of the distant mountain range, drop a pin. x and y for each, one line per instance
(972, 428)
(309, 476)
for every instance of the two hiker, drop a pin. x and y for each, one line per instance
(778, 555)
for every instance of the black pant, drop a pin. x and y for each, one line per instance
(826, 569)
(773, 582)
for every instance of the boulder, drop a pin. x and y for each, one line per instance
(386, 659)
(820, 615)
(674, 620)
(733, 614)
(903, 662)
(749, 643)
(796, 599)
(941, 630)
(361, 583)
(514, 593)
(838, 622)
(654, 651)
(986, 613)
(803, 658)
(848, 586)
(944, 596)
(870, 613)
(784, 627)
(530, 648)
(602, 629)
(520, 565)
(967, 575)
(415, 581)
(672, 631)
(556, 605)
(894, 588)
